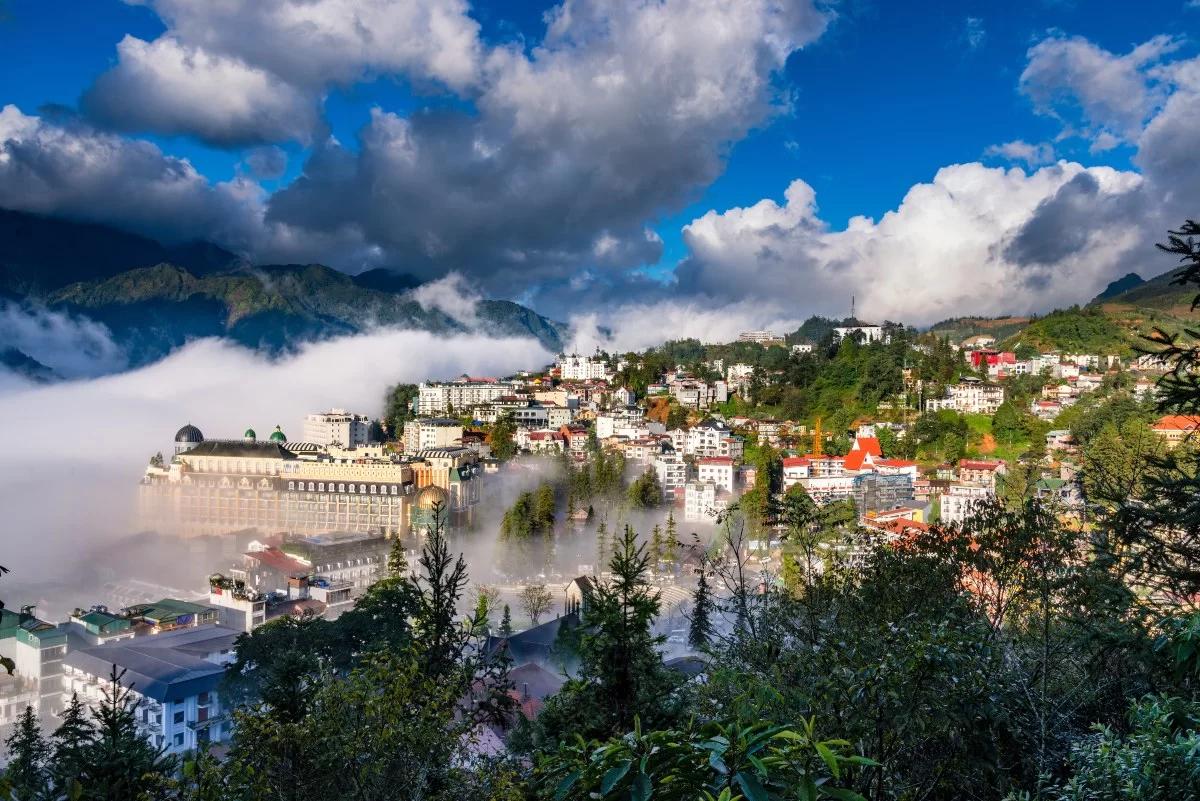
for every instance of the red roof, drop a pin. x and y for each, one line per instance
(723, 460)
(796, 461)
(869, 445)
(897, 463)
(277, 559)
(967, 464)
(1177, 422)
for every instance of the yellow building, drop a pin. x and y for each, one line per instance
(222, 486)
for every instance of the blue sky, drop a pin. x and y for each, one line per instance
(880, 101)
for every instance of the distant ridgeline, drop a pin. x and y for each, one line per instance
(156, 297)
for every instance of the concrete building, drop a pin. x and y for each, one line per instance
(756, 336)
(960, 501)
(175, 676)
(581, 368)
(672, 474)
(969, 396)
(703, 501)
(717, 469)
(337, 426)
(432, 432)
(224, 486)
(439, 399)
(870, 333)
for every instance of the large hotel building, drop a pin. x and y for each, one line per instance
(225, 486)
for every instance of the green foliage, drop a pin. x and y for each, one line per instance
(621, 674)
(28, 756)
(1158, 758)
(118, 762)
(397, 408)
(1075, 330)
(716, 760)
(700, 628)
(645, 492)
(536, 600)
(501, 437)
(506, 629)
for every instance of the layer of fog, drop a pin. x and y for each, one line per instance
(73, 452)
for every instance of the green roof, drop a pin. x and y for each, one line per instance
(278, 435)
(250, 434)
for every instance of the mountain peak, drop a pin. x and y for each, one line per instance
(1121, 285)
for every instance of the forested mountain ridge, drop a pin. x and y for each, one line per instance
(155, 298)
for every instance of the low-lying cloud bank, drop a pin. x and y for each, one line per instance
(73, 451)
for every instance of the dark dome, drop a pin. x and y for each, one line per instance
(190, 434)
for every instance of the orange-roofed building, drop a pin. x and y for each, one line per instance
(1175, 428)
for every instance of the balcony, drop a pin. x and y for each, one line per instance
(199, 725)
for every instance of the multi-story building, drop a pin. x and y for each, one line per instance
(960, 501)
(224, 486)
(581, 368)
(756, 336)
(458, 396)
(708, 438)
(980, 472)
(703, 501)
(37, 649)
(969, 396)
(432, 432)
(174, 675)
(717, 469)
(337, 427)
(672, 473)
(1175, 428)
(870, 333)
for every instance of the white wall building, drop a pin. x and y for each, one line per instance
(672, 473)
(581, 368)
(969, 397)
(337, 425)
(959, 502)
(432, 432)
(439, 399)
(756, 336)
(702, 501)
(871, 333)
(716, 469)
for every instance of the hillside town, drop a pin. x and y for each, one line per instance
(316, 520)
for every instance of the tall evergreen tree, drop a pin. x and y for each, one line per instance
(506, 628)
(656, 545)
(502, 437)
(397, 564)
(601, 543)
(700, 630)
(28, 758)
(671, 541)
(119, 763)
(69, 744)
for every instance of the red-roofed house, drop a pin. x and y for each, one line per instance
(1174, 428)
(863, 454)
(718, 470)
(795, 468)
(980, 473)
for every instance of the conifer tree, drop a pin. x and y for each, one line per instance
(700, 630)
(656, 545)
(506, 628)
(119, 762)
(601, 543)
(69, 744)
(28, 757)
(671, 545)
(397, 564)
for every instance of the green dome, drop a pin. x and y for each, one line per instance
(278, 435)
(250, 435)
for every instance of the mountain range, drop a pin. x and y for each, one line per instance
(155, 297)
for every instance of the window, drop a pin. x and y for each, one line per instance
(310, 486)
(291, 485)
(362, 487)
(352, 488)
(341, 487)
(179, 717)
(372, 489)
(321, 486)
(179, 739)
(393, 489)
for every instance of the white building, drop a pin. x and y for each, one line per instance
(756, 336)
(581, 368)
(703, 501)
(708, 438)
(803, 347)
(970, 396)
(672, 473)
(440, 398)
(960, 501)
(716, 469)
(337, 425)
(871, 333)
(432, 432)
(174, 675)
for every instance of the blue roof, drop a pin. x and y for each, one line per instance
(165, 667)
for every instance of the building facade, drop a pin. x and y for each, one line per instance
(339, 427)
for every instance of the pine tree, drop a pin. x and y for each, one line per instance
(544, 509)
(656, 545)
(671, 549)
(28, 758)
(119, 762)
(481, 614)
(397, 565)
(700, 630)
(601, 542)
(506, 628)
(69, 744)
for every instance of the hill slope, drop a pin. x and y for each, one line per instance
(156, 297)
(155, 309)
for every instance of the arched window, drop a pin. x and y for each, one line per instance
(362, 487)
(241, 466)
(393, 489)
(321, 487)
(352, 488)
(310, 486)
(372, 489)
(291, 485)
(341, 487)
